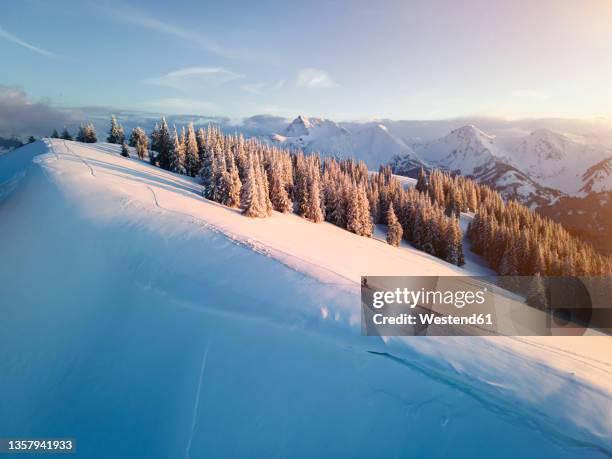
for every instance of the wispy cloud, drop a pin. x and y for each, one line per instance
(194, 77)
(262, 87)
(18, 41)
(314, 78)
(140, 18)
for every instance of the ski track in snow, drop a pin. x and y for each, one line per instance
(71, 151)
(196, 406)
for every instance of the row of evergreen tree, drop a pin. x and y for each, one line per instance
(86, 134)
(423, 221)
(513, 239)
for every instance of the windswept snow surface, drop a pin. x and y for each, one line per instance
(145, 321)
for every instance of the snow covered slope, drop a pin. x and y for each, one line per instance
(146, 321)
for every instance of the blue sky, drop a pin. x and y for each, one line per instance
(342, 59)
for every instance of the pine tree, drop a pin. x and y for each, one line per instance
(31, 139)
(135, 136)
(264, 191)
(453, 246)
(536, 293)
(164, 144)
(201, 141)
(358, 213)
(312, 209)
(421, 184)
(139, 140)
(183, 140)
(116, 134)
(453, 204)
(55, 134)
(142, 147)
(155, 138)
(177, 155)
(394, 229)
(192, 163)
(87, 133)
(91, 134)
(66, 135)
(366, 219)
(252, 203)
(124, 150)
(428, 230)
(338, 215)
(208, 162)
(509, 264)
(220, 181)
(233, 185)
(450, 254)
(278, 192)
(459, 243)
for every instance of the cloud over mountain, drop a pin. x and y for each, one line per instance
(21, 116)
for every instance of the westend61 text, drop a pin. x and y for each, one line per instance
(432, 319)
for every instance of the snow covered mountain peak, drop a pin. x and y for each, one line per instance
(299, 126)
(466, 149)
(546, 144)
(471, 131)
(314, 127)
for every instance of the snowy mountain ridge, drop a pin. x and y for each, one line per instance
(558, 162)
(544, 164)
(373, 143)
(537, 169)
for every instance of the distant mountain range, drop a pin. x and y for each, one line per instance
(372, 143)
(563, 176)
